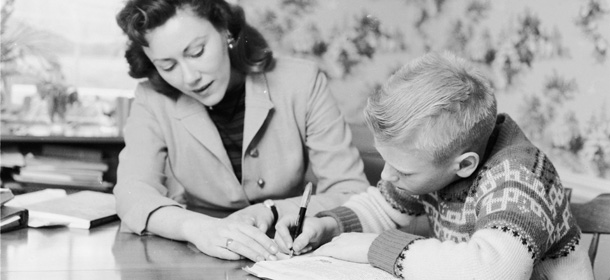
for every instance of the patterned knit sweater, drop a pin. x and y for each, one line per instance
(509, 220)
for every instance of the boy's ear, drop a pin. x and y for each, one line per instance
(467, 163)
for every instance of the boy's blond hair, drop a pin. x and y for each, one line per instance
(439, 101)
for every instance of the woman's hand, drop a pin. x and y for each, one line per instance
(351, 246)
(316, 231)
(230, 239)
(258, 215)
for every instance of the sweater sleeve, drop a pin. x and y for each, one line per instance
(376, 210)
(489, 254)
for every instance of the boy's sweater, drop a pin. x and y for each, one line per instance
(509, 220)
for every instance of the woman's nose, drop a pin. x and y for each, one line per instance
(388, 174)
(190, 75)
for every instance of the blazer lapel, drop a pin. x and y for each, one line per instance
(194, 116)
(258, 105)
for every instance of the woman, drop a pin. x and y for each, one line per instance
(220, 126)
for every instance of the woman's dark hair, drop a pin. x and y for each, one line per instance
(250, 52)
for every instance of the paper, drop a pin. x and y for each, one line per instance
(5, 195)
(318, 268)
(23, 200)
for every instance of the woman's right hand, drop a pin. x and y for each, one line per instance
(230, 239)
(316, 231)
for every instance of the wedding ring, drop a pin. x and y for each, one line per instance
(229, 241)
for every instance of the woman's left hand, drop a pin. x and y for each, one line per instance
(350, 246)
(257, 215)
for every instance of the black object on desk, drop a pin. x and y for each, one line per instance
(13, 218)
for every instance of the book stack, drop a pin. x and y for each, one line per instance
(62, 166)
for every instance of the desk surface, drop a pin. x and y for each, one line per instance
(105, 253)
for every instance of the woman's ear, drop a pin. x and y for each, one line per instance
(467, 163)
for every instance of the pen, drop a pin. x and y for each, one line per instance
(302, 210)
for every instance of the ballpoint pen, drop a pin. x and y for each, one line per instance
(302, 210)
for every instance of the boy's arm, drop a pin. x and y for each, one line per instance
(518, 224)
(489, 254)
(376, 210)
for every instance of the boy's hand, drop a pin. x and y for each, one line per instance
(316, 231)
(351, 246)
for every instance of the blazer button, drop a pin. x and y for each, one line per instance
(261, 182)
(254, 153)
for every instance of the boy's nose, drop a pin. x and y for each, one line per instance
(388, 174)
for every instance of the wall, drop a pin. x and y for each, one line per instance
(547, 59)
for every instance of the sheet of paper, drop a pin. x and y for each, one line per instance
(23, 200)
(316, 267)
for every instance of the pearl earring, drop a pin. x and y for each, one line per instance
(230, 41)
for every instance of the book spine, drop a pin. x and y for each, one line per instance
(61, 175)
(104, 220)
(55, 163)
(68, 152)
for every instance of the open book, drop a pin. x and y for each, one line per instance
(309, 267)
(84, 209)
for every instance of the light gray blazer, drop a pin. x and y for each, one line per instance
(175, 156)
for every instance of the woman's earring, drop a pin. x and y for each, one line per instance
(230, 41)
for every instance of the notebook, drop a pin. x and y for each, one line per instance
(13, 218)
(309, 267)
(84, 209)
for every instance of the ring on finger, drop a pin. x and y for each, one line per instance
(229, 241)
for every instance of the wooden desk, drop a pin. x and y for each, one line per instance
(104, 253)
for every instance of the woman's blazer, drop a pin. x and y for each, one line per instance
(174, 155)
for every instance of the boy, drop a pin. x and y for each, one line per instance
(494, 201)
